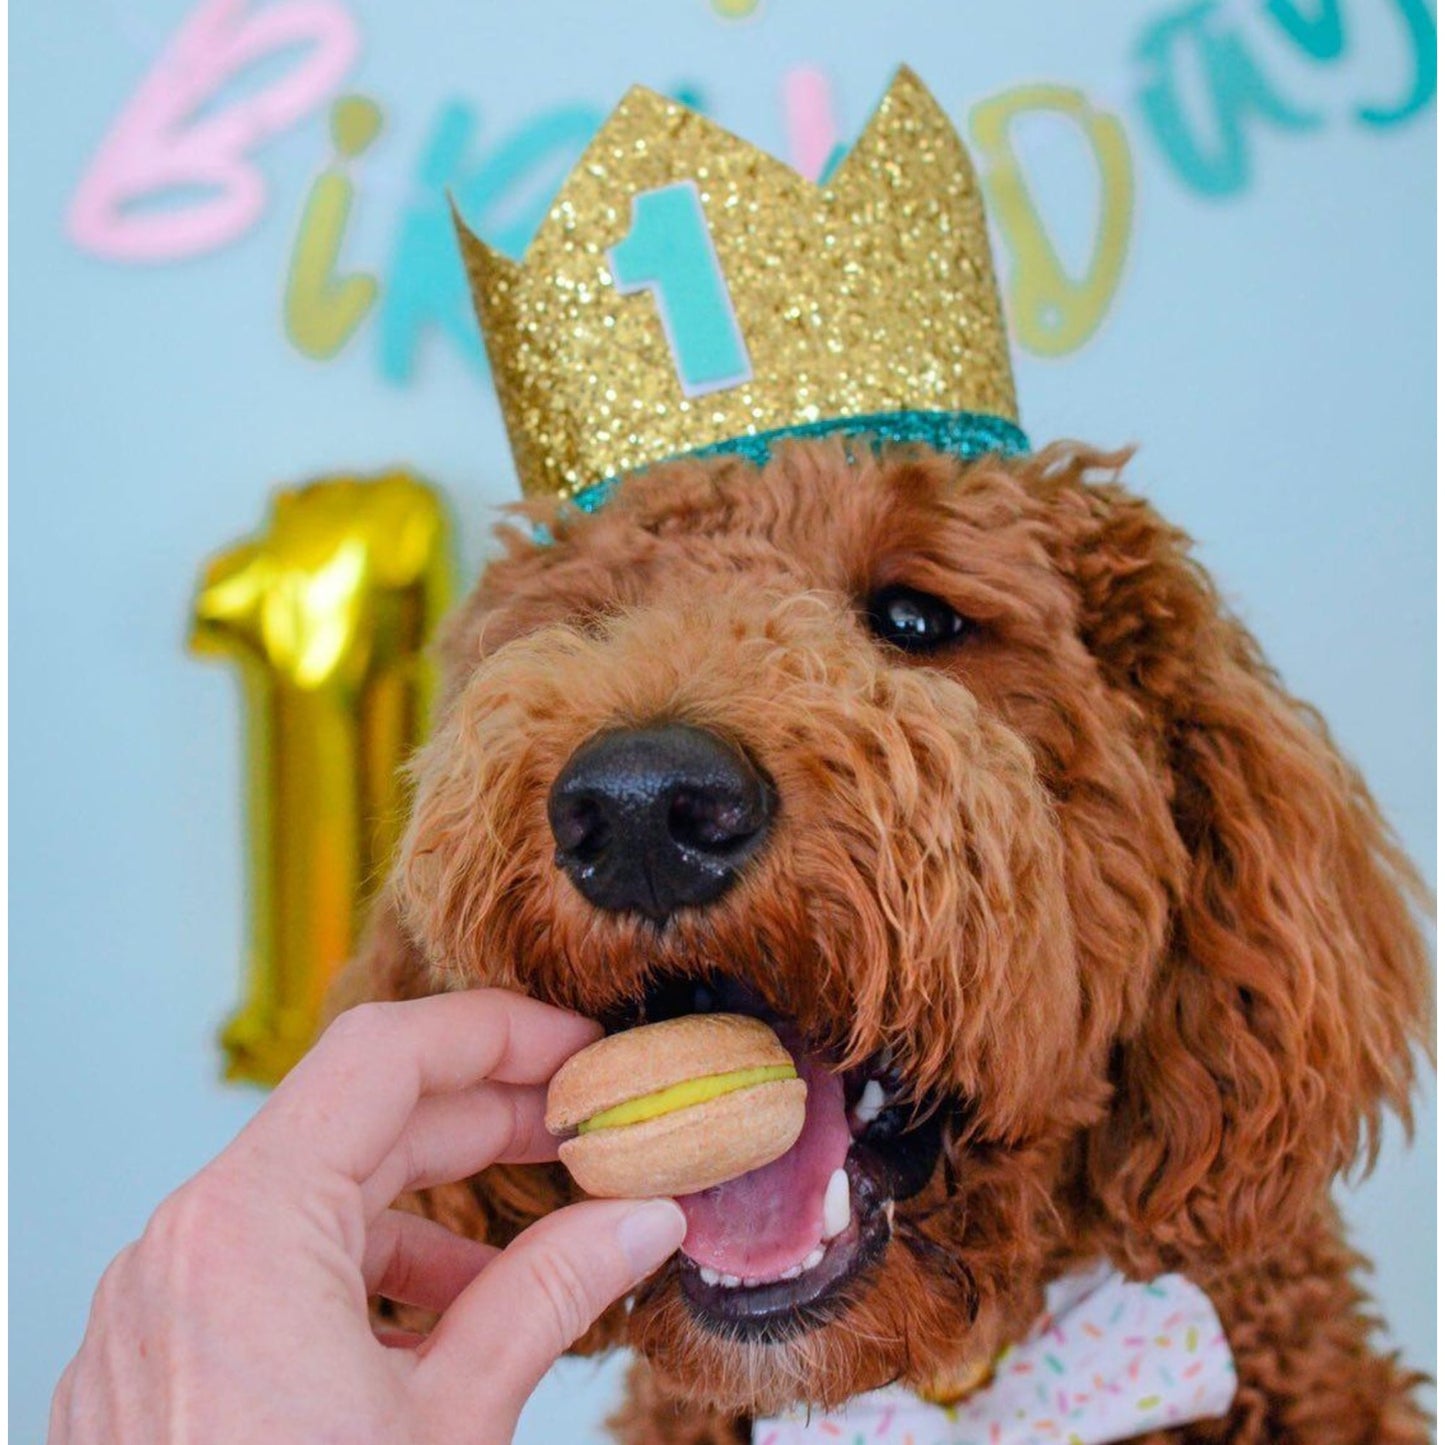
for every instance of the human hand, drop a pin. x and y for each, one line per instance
(241, 1312)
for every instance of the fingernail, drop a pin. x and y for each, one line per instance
(649, 1233)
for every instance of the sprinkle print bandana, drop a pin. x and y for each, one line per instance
(1107, 1360)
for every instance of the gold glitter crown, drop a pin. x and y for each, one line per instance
(867, 303)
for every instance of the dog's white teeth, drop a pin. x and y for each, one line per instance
(792, 1273)
(730, 1281)
(871, 1103)
(813, 1259)
(837, 1205)
(709, 1276)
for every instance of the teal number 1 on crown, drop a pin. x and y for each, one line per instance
(667, 251)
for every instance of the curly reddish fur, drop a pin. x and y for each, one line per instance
(1091, 873)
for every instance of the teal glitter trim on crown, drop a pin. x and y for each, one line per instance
(961, 433)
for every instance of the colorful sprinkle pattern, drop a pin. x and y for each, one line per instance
(1108, 1360)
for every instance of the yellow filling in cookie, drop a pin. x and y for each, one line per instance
(684, 1096)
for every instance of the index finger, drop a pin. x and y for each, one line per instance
(343, 1107)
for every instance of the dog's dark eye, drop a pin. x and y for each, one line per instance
(914, 621)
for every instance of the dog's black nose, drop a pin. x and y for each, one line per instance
(656, 819)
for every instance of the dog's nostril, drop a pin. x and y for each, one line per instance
(655, 819)
(698, 818)
(581, 829)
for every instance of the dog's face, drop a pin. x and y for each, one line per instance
(958, 776)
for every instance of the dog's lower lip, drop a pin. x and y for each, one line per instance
(778, 1308)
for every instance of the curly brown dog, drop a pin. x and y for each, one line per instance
(970, 783)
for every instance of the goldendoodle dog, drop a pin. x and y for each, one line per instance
(1087, 939)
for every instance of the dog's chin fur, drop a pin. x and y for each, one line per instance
(1108, 895)
(920, 1318)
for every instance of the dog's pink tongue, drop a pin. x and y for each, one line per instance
(765, 1222)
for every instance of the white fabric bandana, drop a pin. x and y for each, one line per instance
(1107, 1360)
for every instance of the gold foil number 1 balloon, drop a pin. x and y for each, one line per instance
(326, 615)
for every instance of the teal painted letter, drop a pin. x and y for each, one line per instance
(1211, 152)
(669, 253)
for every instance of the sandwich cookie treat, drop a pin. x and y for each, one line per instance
(676, 1107)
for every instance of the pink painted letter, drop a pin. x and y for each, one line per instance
(156, 147)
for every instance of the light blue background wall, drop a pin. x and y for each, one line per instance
(1272, 351)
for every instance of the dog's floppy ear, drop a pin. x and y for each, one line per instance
(1281, 1022)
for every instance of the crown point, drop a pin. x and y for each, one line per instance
(799, 306)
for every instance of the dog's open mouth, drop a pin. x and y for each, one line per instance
(774, 1250)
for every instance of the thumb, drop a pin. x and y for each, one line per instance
(543, 1292)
